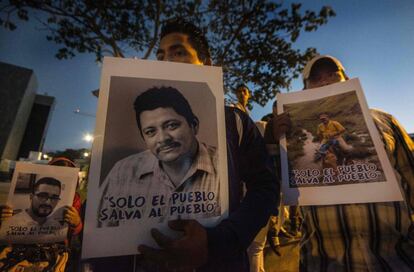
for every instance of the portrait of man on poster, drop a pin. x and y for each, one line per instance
(174, 161)
(43, 201)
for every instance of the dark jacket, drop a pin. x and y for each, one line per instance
(248, 162)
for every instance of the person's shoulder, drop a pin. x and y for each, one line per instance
(54, 221)
(130, 166)
(209, 149)
(20, 217)
(135, 159)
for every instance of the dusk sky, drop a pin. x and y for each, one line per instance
(373, 39)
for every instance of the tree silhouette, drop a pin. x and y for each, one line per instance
(251, 40)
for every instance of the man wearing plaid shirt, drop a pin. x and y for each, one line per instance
(366, 236)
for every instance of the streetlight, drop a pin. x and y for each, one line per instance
(88, 137)
(86, 154)
(86, 114)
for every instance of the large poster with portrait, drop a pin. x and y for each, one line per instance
(159, 153)
(333, 153)
(38, 196)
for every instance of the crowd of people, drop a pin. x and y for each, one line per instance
(343, 237)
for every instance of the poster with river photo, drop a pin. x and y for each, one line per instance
(333, 153)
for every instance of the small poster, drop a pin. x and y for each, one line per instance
(333, 153)
(38, 196)
(159, 153)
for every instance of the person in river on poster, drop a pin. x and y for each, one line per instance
(330, 133)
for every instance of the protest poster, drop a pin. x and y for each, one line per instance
(159, 153)
(333, 153)
(38, 195)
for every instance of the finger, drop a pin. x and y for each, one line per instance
(6, 215)
(162, 240)
(70, 213)
(72, 209)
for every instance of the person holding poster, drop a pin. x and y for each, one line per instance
(45, 197)
(72, 213)
(330, 135)
(174, 166)
(243, 96)
(221, 248)
(42, 217)
(366, 236)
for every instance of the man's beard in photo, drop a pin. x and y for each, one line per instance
(43, 207)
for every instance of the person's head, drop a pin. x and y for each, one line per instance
(324, 117)
(167, 123)
(45, 196)
(63, 161)
(181, 41)
(243, 94)
(321, 71)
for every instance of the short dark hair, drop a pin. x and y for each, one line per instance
(241, 86)
(196, 37)
(164, 97)
(48, 181)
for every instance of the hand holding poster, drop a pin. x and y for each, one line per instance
(159, 153)
(333, 153)
(38, 195)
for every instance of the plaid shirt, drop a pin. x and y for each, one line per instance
(370, 236)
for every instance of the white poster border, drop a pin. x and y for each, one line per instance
(339, 194)
(136, 68)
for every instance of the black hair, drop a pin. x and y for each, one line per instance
(164, 97)
(267, 117)
(325, 64)
(48, 181)
(241, 86)
(195, 36)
